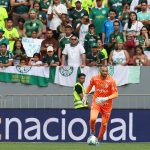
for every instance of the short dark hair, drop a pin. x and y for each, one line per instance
(117, 21)
(144, 1)
(81, 74)
(21, 20)
(9, 19)
(112, 10)
(36, 54)
(91, 26)
(4, 44)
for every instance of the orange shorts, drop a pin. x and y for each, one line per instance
(96, 109)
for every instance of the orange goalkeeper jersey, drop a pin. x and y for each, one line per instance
(103, 88)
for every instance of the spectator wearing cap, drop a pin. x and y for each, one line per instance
(65, 40)
(76, 14)
(3, 16)
(90, 38)
(6, 57)
(75, 52)
(32, 24)
(50, 59)
(96, 57)
(119, 56)
(98, 15)
(49, 41)
(3, 39)
(86, 4)
(54, 15)
(11, 33)
(19, 27)
(20, 9)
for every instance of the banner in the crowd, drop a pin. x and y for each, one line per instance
(122, 74)
(66, 76)
(59, 125)
(31, 46)
(25, 74)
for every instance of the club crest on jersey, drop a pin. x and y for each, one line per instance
(104, 12)
(23, 69)
(66, 71)
(111, 70)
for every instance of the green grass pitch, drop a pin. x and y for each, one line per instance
(74, 146)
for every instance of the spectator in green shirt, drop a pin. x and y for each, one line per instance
(98, 15)
(20, 9)
(65, 40)
(96, 57)
(114, 36)
(18, 52)
(77, 13)
(41, 16)
(90, 38)
(50, 59)
(3, 39)
(33, 24)
(6, 57)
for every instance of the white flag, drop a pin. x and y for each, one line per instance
(66, 75)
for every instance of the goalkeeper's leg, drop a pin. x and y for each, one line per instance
(93, 116)
(105, 119)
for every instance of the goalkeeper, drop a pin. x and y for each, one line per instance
(105, 92)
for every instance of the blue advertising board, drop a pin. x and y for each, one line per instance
(68, 125)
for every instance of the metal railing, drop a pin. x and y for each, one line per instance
(128, 101)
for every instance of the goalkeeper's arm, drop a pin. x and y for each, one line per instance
(88, 89)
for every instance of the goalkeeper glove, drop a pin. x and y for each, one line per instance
(84, 99)
(100, 100)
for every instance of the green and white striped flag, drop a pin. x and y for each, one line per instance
(25, 74)
(65, 76)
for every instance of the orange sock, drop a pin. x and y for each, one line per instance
(102, 131)
(93, 117)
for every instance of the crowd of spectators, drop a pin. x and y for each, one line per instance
(76, 32)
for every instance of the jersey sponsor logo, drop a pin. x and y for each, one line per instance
(66, 71)
(100, 16)
(23, 69)
(104, 85)
(102, 90)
